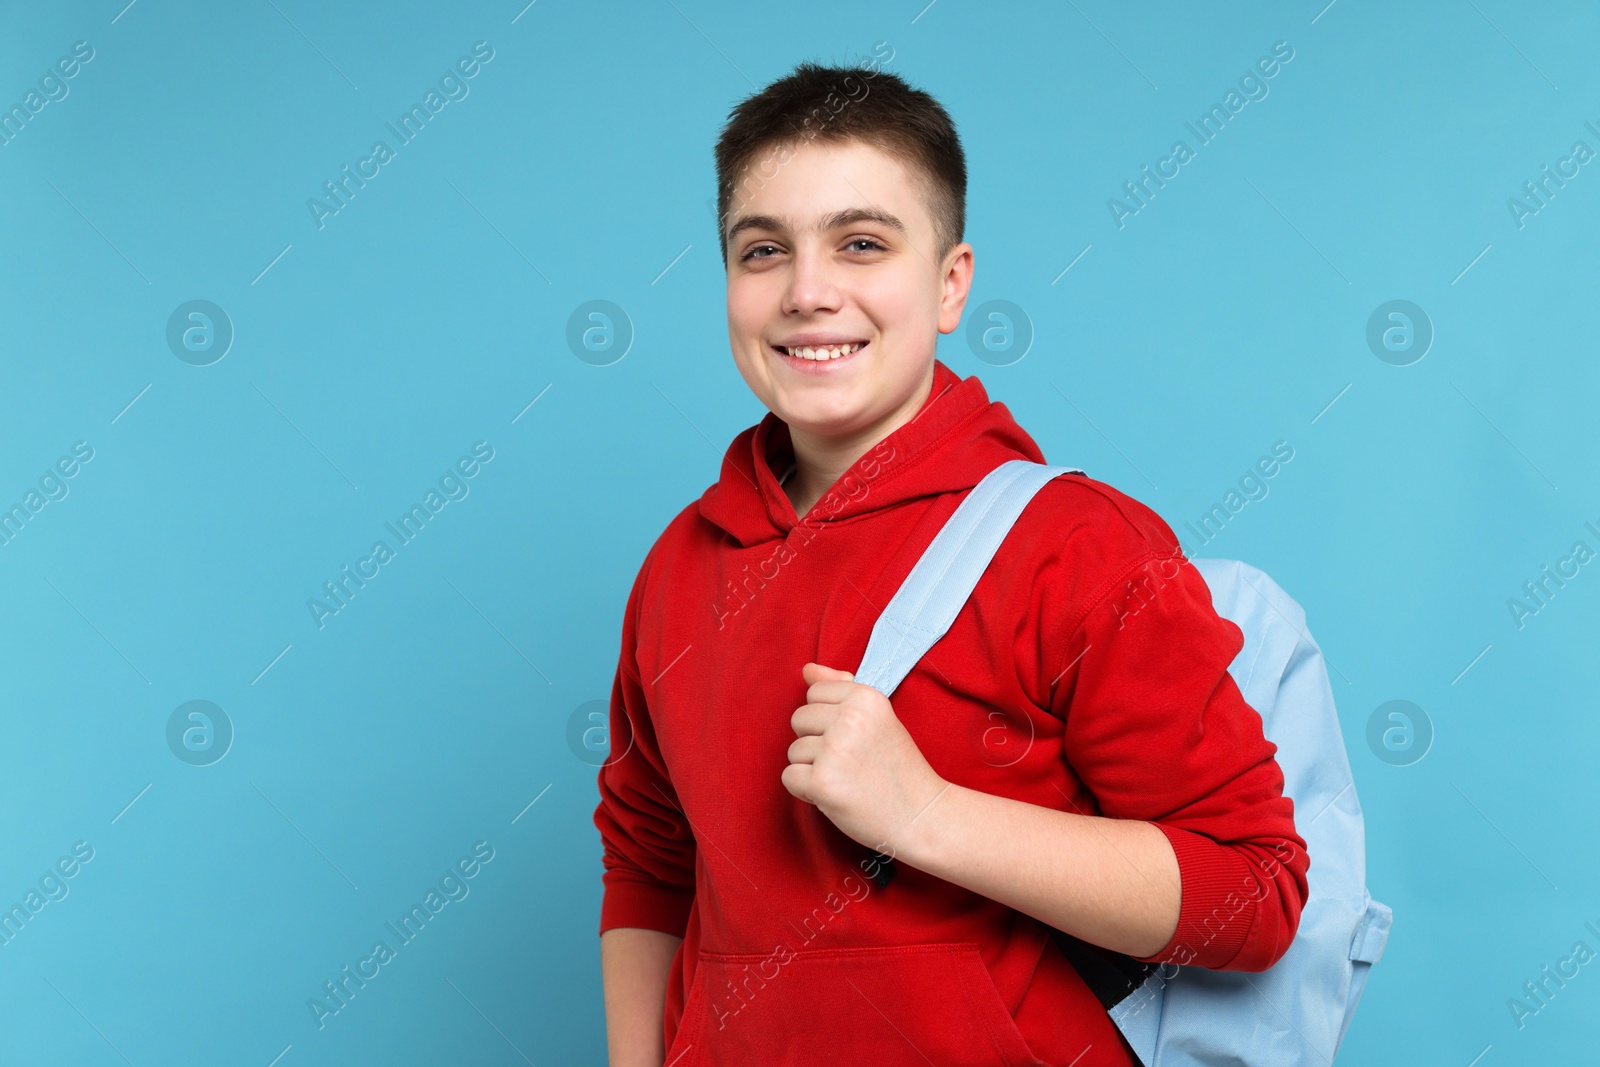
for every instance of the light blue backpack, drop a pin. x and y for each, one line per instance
(1297, 1011)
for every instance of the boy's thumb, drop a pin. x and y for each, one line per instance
(832, 670)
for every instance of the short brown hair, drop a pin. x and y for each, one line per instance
(843, 103)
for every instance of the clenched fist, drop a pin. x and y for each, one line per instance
(855, 761)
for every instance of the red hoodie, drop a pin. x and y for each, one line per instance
(1088, 672)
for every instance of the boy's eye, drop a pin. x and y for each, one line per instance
(755, 252)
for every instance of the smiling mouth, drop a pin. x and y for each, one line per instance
(822, 353)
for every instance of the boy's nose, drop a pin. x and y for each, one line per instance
(812, 286)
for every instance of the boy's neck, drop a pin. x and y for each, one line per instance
(819, 462)
(817, 467)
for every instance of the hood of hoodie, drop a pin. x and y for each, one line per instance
(957, 436)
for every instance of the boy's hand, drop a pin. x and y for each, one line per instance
(855, 761)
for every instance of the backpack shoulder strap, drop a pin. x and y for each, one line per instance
(921, 612)
(931, 596)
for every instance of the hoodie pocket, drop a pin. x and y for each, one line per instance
(919, 1003)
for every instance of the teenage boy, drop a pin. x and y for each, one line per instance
(1072, 756)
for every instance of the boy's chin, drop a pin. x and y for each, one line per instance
(824, 421)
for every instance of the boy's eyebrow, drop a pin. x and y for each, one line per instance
(833, 221)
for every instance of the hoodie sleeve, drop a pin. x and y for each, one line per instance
(649, 850)
(1157, 729)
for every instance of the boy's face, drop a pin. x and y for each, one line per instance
(810, 266)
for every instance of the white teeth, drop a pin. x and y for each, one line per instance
(823, 354)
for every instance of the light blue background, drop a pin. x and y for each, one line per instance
(432, 310)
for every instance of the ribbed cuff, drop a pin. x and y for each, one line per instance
(647, 905)
(1218, 904)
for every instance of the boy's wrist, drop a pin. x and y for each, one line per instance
(921, 842)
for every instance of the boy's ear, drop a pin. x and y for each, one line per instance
(956, 283)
